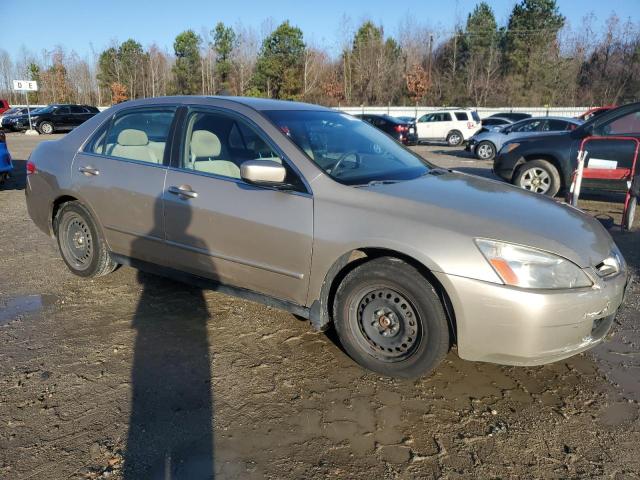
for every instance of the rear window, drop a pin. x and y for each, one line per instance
(475, 116)
(461, 116)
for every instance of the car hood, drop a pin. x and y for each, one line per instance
(475, 207)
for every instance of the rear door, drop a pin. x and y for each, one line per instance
(120, 175)
(222, 228)
(77, 115)
(443, 125)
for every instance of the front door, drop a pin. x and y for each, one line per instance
(120, 175)
(223, 228)
(61, 118)
(424, 126)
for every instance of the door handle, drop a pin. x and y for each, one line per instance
(183, 191)
(89, 171)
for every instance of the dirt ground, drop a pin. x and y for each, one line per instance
(133, 376)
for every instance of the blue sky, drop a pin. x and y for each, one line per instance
(75, 24)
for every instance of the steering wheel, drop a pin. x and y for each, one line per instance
(339, 164)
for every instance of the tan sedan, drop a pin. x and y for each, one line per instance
(314, 211)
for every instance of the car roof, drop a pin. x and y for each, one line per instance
(506, 119)
(255, 103)
(564, 119)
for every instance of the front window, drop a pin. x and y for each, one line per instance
(349, 150)
(528, 126)
(628, 124)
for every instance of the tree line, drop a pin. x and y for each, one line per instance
(535, 59)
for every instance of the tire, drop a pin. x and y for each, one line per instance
(629, 216)
(45, 128)
(408, 335)
(539, 176)
(485, 150)
(81, 244)
(455, 138)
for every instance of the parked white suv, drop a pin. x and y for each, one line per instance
(452, 125)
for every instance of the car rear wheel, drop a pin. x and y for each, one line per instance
(485, 150)
(46, 128)
(81, 245)
(538, 176)
(629, 214)
(455, 138)
(390, 319)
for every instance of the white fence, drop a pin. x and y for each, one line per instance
(483, 112)
(419, 111)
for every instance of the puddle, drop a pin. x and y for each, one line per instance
(18, 306)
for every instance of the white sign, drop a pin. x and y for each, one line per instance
(25, 85)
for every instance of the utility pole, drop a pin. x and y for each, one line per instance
(430, 54)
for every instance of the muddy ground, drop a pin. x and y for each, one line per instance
(246, 391)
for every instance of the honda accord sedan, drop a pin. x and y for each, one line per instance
(319, 213)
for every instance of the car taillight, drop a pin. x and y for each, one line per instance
(31, 167)
(401, 128)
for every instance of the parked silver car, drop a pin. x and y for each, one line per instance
(486, 144)
(319, 213)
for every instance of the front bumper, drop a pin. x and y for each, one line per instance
(505, 165)
(500, 324)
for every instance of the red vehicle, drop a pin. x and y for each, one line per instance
(4, 105)
(594, 112)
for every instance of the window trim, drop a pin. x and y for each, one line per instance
(108, 125)
(180, 137)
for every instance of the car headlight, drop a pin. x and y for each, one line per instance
(509, 147)
(527, 267)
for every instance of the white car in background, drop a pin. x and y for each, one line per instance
(451, 125)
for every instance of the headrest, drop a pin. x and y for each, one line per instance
(130, 137)
(205, 144)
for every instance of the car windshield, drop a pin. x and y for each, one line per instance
(47, 109)
(351, 151)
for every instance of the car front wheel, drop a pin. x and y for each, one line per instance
(81, 245)
(485, 150)
(539, 176)
(46, 128)
(390, 319)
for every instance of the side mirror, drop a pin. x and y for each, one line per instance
(263, 172)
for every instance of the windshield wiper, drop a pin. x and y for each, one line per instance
(377, 182)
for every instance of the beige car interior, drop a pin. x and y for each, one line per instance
(206, 153)
(205, 150)
(134, 144)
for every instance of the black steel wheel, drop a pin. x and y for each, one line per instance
(388, 324)
(81, 245)
(390, 319)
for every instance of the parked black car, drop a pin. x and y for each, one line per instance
(513, 116)
(56, 117)
(7, 119)
(401, 130)
(545, 163)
